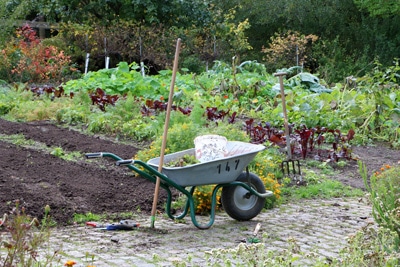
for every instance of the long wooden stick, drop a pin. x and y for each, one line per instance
(287, 134)
(164, 140)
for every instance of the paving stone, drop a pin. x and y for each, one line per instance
(319, 226)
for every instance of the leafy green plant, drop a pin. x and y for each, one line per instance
(120, 80)
(202, 199)
(24, 238)
(180, 137)
(265, 166)
(225, 94)
(384, 189)
(9, 98)
(47, 221)
(370, 246)
(381, 88)
(256, 255)
(70, 156)
(243, 91)
(367, 247)
(58, 152)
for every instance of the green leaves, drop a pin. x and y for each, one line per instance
(383, 187)
(380, 8)
(371, 106)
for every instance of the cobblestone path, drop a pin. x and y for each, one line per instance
(315, 225)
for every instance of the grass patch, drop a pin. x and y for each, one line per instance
(120, 216)
(324, 189)
(37, 109)
(315, 184)
(87, 217)
(17, 139)
(20, 140)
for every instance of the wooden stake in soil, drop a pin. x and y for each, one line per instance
(287, 134)
(164, 139)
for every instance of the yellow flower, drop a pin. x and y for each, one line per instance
(70, 263)
(185, 126)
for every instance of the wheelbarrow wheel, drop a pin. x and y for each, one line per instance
(239, 203)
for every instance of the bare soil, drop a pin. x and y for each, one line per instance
(37, 178)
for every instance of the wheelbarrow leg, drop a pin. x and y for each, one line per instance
(212, 213)
(186, 209)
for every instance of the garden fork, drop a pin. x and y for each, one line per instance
(289, 167)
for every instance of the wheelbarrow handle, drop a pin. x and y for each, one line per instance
(266, 194)
(94, 155)
(124, 162)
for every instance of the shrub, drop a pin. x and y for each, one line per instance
(24, 238)
(334, 65)
(290, 49)
(384, 189)
(180, 137)
(265, 166)
(193, 64)
(26, 59)
(202, 198)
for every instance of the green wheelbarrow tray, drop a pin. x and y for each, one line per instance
(243, 193)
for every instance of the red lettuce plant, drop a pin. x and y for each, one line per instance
(49, 90)
(303, 140)
(154, 106)
(101, 99)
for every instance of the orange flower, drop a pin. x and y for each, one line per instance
(161, 98)
(70, 263)
(225, 96)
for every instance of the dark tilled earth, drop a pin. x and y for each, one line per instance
(37, 178)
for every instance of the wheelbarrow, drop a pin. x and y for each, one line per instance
(243, 193)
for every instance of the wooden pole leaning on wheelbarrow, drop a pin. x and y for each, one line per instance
(164, 139)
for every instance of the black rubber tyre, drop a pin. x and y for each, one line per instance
(239, 203)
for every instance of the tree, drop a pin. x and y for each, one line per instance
(84, 12)
(380, 8)
(147, 12)
(10, 13)
(347, 31)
